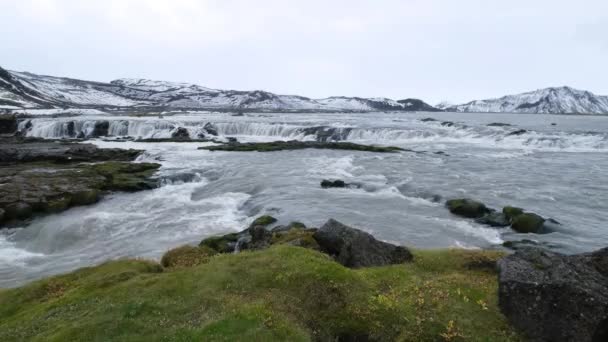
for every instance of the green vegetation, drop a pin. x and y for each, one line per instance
(283, 293)
(298, 145)
(264, 221)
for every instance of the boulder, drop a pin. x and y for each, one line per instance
(428, 120)
(180, 134)
(467, 208)
(354, 248)
(494, 219)
(221, 244)
(100, 129)
(8, 124)
(554, 297)
(512, 212)
(528, 223)
(210, 129)
(447, 123)
(264, 220)
(333, 184)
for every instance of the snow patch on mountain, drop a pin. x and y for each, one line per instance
(556, 100)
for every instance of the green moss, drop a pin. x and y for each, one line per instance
(264, 221)
(124, 176)
(298, 145)
(221, 244)
(528, 223)
(295, 237)
(281, 293)
(187, 256)
(85, 197)
(512, 212)
(58, 204)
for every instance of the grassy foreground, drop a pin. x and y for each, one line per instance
(283, 293)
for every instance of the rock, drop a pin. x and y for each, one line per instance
(498, 124)
(100, 129)
(518, 132)
(298, 145)
(524, 243)
(221, 244)
(260, 237)
(554, 297)
(180, 134)
(71, 129)
(8, 124)
(467, 208)
(494, 219)
(333, 184)
(80, 135)
(354, 248)
(512, 212)
(528, 223)
(264, 221)
(326, 133)
(447, 123)
(210, 129)
(428, 120)
(553, 124)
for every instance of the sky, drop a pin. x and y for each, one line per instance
(436, 50)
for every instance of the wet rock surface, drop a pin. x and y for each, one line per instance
(40, 176)
(8, 123)
(554, 297)
(355, 248)
(298, 145)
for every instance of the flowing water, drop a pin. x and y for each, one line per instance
(557, 171)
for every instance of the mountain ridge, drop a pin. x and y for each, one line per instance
(25, 90)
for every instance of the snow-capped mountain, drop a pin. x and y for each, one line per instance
(559, 100)
(30, 91)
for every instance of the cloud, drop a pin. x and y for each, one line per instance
(434, 49)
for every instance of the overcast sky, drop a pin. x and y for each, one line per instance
(431, 49)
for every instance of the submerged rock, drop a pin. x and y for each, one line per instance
(354, 248)
(498, 124)
(467, 208)
(494, 219)
(518, 132)
(554, 297)
(298, 145)
(428, 120)
(447, 123)
(100, 129)
(528, 223)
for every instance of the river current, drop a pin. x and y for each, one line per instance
(557, 167)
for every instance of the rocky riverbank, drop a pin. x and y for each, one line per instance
(44, 176)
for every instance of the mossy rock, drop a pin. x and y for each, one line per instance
(512, 212)
(467, 208)
(221, 244)
(85, 197)
(296, 237)
(127, 176)
(58, 204)
(528, 223)
(265, 220)
(298, 145)
(187, 256)
(297, 225)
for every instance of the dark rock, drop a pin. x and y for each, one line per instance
(264, 221)
(210, 128)
(515, 245)
(71, 129)
(512, 212)
(221, 244)
(354, 248)
(467, 208)
(232, 139)
(553, 124)
(428, 120)
(100, 129)
(260, 237)
(180, 134)
(447, 123)
(494, 219)
(298, 145)
(554, 297)
(333, 184)
(326, 133)
(528, 223)
(8, 124)
(80, 135)
(498, 124)
(518, 132)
